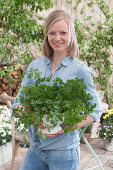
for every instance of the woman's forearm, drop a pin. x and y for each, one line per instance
(86, 122)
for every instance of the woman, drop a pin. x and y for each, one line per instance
(59, 151)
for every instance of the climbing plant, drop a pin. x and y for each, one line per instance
(95, 46)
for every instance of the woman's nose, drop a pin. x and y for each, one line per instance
(57, 37)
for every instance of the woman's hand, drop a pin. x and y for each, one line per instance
(40, 125)
(61, 132)
(19, 107)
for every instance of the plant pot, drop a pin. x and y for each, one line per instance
(108, 145)
(87, 136)
(5, 153)
(54, 130)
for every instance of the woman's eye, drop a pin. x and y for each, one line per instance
(52, 33)
(63, 33)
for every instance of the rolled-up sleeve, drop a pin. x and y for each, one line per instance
(24, 82)
(87, 76)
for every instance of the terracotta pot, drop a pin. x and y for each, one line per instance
(108, 145)
(87, 136)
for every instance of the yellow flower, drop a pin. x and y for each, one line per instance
(106, 116)
(109, 112)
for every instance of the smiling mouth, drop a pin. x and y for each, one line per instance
(58, 44)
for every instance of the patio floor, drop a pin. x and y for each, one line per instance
(87, 159)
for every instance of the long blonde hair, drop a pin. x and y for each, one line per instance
(56, 15)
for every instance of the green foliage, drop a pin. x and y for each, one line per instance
(69, 1)
(18, 28)
(104, 8)
(60, 101)
(95, 47)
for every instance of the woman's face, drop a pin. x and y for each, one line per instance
(58, 36)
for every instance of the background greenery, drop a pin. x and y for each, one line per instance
(19, 28)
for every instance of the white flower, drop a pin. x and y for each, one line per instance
(3, 135)
(4, 141)
(8, 125)
(6, 118)
(5, 124)
(9, 133)
(1, 116)
(1, 129)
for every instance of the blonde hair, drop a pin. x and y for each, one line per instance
(51, 19)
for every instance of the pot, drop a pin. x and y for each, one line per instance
(108, 145)
(5, 153)
(87, 136)
(54, 130)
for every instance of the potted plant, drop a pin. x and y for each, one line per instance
(105, 130)
(52, 103)
(5, 135)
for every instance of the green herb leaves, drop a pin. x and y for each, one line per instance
(57, 101)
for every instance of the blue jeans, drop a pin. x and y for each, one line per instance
(37, 159)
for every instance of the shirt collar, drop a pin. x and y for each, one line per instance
(64, 62)
(47, 61)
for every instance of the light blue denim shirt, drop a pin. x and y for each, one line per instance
(67, 69)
